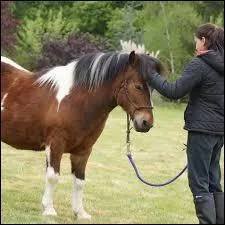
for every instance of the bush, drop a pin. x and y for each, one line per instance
(25, 8)
(92, 16)
(8, 27)
(125, 24)
(60, 52)
(34, 30)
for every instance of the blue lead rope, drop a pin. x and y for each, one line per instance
(129, 155)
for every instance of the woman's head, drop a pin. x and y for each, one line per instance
(209, 37)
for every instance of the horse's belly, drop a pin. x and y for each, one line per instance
(21, 135)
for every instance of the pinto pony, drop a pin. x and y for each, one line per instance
(64, 110)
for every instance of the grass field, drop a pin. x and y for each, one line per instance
(112, 193)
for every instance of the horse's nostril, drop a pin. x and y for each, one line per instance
(147, 124)
(142, 125)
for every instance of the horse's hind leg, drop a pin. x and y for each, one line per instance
(78, 164)
(54, 153)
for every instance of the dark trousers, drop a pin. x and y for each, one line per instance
(204, 176)
(203, 155)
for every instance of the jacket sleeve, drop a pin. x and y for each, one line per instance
(191, 77)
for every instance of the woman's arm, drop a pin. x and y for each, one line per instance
(191, 77)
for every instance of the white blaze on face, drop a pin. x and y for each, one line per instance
(150, 93)
(12, 63)
(2, 101)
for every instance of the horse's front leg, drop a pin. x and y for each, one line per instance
(78, 165)
(54, 153)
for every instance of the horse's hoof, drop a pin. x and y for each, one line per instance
(83, 216)
(49, 212)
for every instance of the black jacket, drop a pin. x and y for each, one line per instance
(203, 78)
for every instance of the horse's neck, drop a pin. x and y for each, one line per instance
(98, 101)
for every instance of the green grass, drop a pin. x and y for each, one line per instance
(112, 193)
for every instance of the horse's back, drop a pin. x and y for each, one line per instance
(8, 69)
(10, 75)
(12, 63)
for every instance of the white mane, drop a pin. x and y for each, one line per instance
(12, 63)
(128, 46)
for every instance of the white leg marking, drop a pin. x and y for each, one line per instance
(51, 180)
(77, 199)
(2, 101)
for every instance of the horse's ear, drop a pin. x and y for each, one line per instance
(133, 59)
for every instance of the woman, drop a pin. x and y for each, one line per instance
(203, 78)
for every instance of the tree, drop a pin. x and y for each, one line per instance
(125, 24)
(92, 16)
(60, 52)
(170, 30)
(33, 31)
(168, 37)
(122, 4)
(8, 27)
(210, 11)
(181, 22)
(22, 9)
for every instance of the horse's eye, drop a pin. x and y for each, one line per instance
(138, 86)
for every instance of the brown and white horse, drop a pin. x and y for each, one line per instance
(64, 110)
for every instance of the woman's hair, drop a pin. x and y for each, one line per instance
(214, 36)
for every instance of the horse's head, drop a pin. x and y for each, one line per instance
(134, 95)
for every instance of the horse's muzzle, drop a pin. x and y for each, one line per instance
(141, 125)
